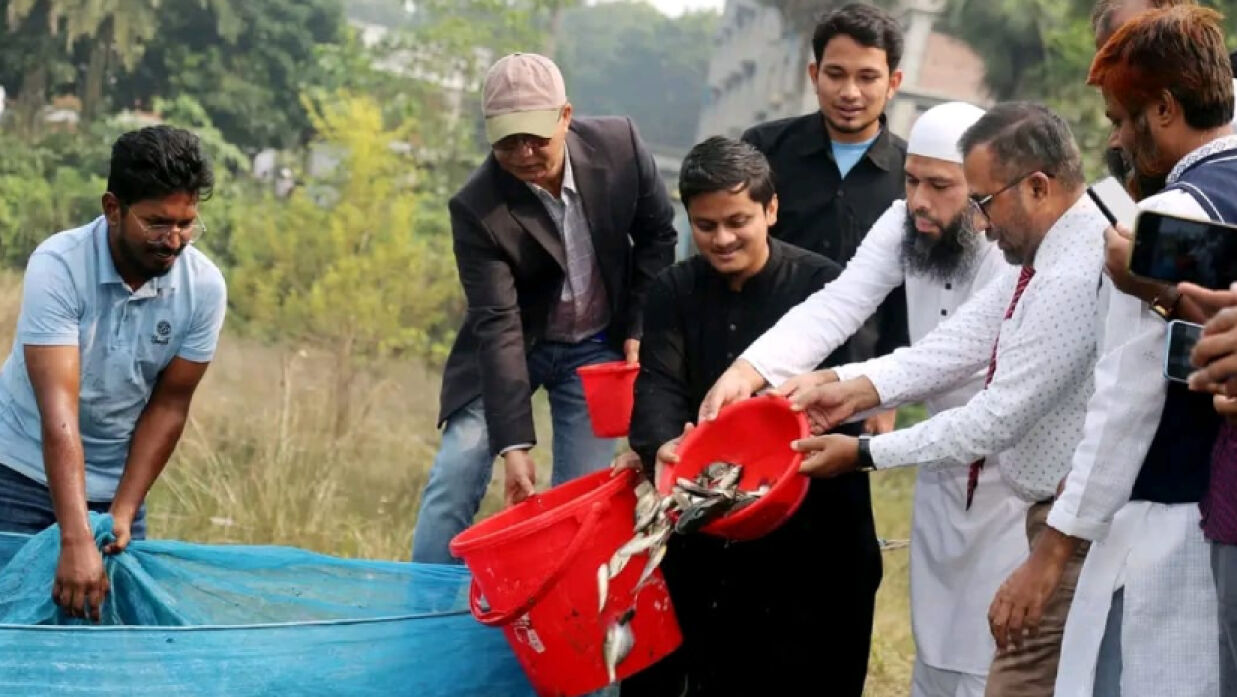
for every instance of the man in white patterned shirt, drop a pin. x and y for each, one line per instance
(1145, 621)
(1033, 329)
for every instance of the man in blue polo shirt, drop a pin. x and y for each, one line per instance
(118, 322)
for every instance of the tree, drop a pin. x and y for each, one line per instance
(354, 263)
(242, 61)
(628, 58)
(1041, 50)
(33, 45)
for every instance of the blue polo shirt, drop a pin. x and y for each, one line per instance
(72, 295)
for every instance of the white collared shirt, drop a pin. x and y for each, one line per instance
(1032, 411)
(1123, 415)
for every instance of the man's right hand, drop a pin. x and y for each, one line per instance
(81, 582)
(738, 383)
(668, 453)
(802, 383)
(520, 476)
(830, 404)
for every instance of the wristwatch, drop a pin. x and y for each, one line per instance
(1165, 303)
(865, 454)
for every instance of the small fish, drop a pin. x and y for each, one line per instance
(617, 563)
(618, 643)
(716, 471)
(687, 486)
(702, 514)
(654, 561)
(637, 545)
(603, 586)
(681, 500)
(643, 489)
(731, 478)
(646, 516)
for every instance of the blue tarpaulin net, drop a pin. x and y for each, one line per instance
(190, 619)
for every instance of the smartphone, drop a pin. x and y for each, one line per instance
(1180, 341)
(1174, 249)
(1114, 201)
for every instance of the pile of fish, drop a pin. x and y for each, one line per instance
(690, 506)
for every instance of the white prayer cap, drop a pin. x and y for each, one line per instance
(937, 131)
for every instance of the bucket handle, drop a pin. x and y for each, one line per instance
(497, 618)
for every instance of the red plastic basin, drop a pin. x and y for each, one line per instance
(755, 433)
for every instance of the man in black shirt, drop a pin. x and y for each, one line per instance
(789, 613)
(838, 169)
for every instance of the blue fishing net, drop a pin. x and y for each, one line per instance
(189, 619)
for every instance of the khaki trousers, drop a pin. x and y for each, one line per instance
(1032, 670)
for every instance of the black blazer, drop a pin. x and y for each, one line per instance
(511, 263)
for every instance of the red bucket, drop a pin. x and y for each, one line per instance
(755, 433)
(609, 390)
(536, 565)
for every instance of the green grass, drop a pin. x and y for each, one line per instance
(258, 464)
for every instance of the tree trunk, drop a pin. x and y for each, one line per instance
(31, 98)
(96, 73)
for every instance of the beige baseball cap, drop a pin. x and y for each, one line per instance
(524, 93)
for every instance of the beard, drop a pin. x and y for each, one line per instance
(137, 255)
(946, 258)
(1142, 171)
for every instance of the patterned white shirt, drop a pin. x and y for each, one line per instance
(1032, 412)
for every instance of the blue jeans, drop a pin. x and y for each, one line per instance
(464, 465)
(26, 506)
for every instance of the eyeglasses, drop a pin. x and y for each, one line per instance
(980, 203)
(158, 233)
(519, 141)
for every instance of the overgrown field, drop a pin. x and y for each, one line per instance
(259, 464)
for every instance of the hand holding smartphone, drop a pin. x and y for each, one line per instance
(1178, 344)
(1174, 249)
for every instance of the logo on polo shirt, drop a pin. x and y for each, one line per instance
(163, 332)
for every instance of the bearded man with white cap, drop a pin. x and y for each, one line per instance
(557, 236)
(927, 241)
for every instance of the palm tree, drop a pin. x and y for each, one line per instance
(116, 31)
(39, 20)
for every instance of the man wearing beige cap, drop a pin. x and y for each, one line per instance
(557, 236)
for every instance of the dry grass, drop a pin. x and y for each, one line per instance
(257, 464)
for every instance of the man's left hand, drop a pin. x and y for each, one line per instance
(828, 455)
(1019, 604)
(1118, 241)
(122, 525)
(631, 351)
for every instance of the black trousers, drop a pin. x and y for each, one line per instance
(789, 613)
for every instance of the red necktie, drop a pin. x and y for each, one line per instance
(1024, 278)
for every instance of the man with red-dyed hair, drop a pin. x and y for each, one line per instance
(1143, 620)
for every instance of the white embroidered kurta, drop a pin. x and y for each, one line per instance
(1156, 552)
(958, 558)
